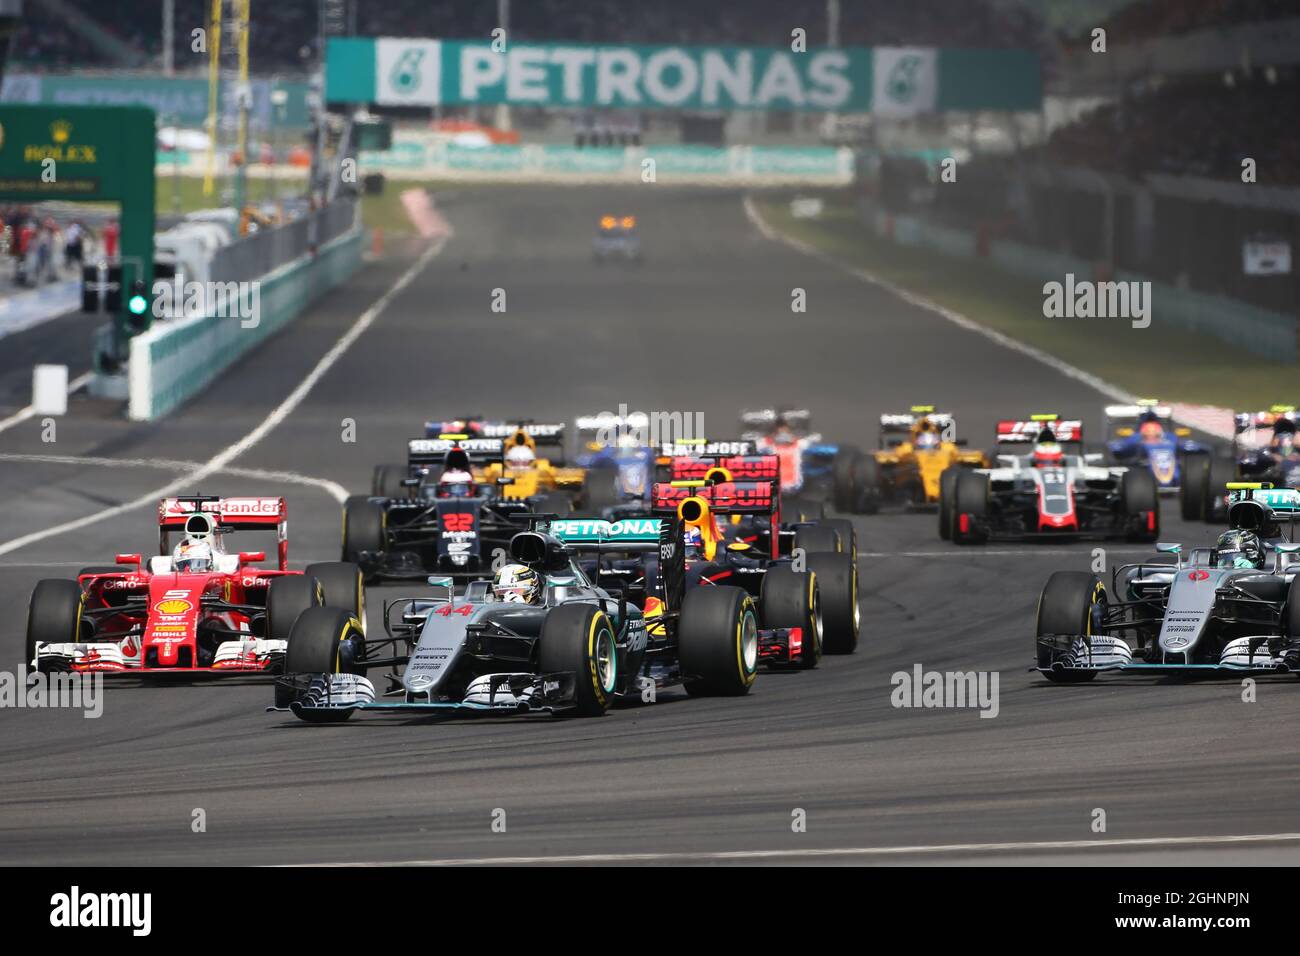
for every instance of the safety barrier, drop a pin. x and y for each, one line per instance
(175, 360)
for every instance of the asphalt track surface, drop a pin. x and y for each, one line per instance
(703, 325)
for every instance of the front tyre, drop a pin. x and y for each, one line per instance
(837, 590)
(324, 641)
(364, 523)
(53, 616)
(1070, 605)
(579, 639)
(717, 638)
(1191, 488)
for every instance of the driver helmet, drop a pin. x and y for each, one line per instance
(517, 584)
(693, 538)
(192, 557)
(927, 440)
(1239, 549)
(1151, 429)
(455, 483)
(521, 456)
(1048, 454)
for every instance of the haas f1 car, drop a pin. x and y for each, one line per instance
(1047, 492)
(199, 609)
(1231, 608)
(576, 649)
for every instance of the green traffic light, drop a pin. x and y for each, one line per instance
(137, 304)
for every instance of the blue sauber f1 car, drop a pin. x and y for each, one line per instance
(1144, 434)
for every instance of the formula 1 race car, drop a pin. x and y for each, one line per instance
(1047, 493)
(1264, 449)
(1230, 608)
(1143, 434)
(448, 517)
(200, 609)
(812, 470)
(619, 464)
(916, 448)
(810, 584)
(578, 649)
(539, 437)
(616, 238)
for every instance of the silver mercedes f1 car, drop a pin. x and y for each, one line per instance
(1231, 608)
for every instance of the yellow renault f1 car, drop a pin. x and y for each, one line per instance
(916, 448)
(527, 474)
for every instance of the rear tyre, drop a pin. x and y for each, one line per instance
(844, 478)
(1219, 472)
(387, 481)
(1066, 607)
(579, 639)
(1191, 490)
(971, 498)
(600, 489)
(790, 598)
(848, 534)
(868, 485)
(1141, 504)
(837, 590)
(364, 523)
(343, 585)
(818, 537)
(324, 640)
(947, 502)
(53, 615)
(717, 641)
(286, 600)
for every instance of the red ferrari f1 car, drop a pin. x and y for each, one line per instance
(197, 608)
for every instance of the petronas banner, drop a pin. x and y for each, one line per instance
(889, 81)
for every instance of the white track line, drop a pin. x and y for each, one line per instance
(81, 381)
(220, 461)
(867, 851)
(331, 488)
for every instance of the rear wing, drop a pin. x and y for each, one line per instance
(1066, 431)
(738, 467)
(432, 451)
(699, 448)
(724, 497)
(226, 514)
(1120, 419)
(595, 534)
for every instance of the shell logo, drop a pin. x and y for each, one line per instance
(174, 606)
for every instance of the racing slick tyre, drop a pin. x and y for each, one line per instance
(579, 639)
(947, 501)
(868, 473)
(1191, 489)
(1141, 502)
(1218, 473)
(387, 481)
(971, 500)
(818, 537)
(791, 598)
(844, 478)
(717, 641)
(343, 585)
(53, 615)
(324, 640)
(364, 523)
(847, 532)
(837, 589)
(600, 490)
(286, 599)
(1066, 607)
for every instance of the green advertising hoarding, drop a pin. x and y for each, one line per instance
(887, 81)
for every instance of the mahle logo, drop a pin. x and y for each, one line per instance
(903, 84)
(405, 76)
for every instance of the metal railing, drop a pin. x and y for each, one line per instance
(266, 250)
